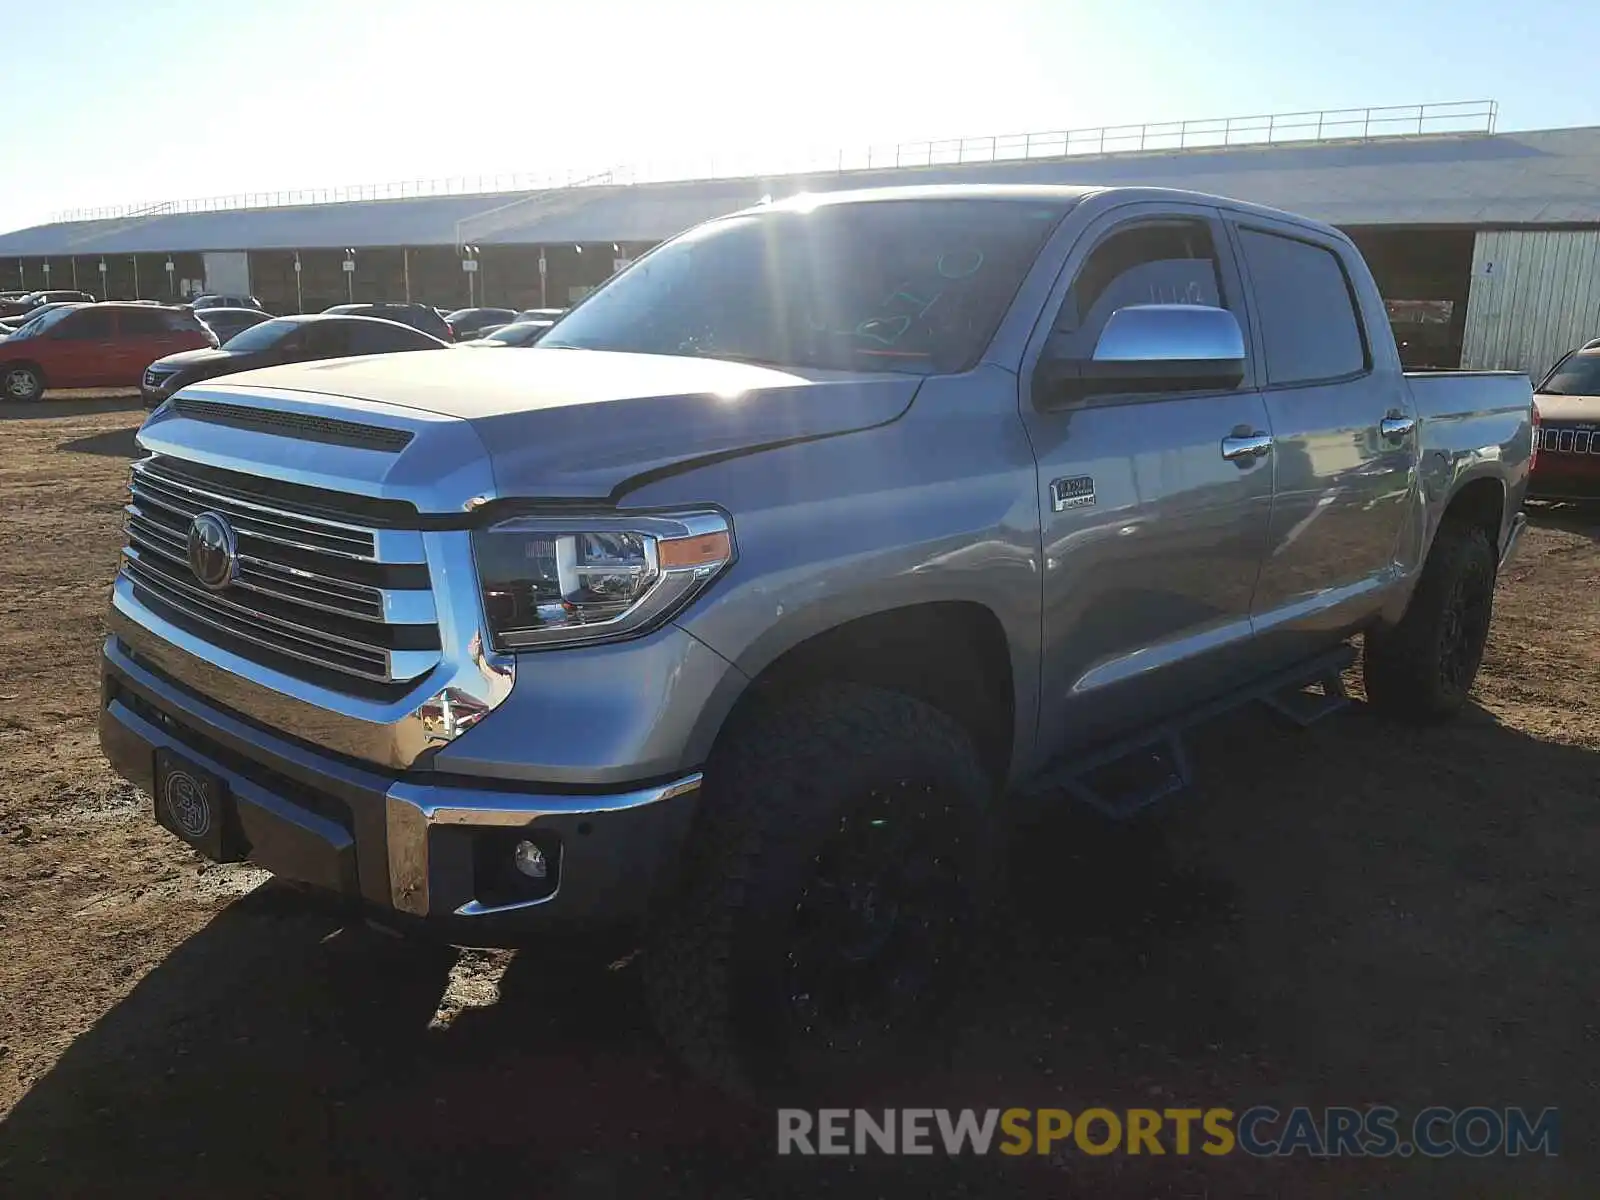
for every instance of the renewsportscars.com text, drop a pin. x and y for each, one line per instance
(1261, 1131)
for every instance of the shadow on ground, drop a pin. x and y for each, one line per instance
(114, 443)
(87, 403)
(1569, 516)
(1350, 915)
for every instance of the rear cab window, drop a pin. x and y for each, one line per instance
(1311, 328)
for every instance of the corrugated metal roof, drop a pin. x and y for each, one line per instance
(1550, 177)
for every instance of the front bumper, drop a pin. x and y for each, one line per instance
(1556, 476)
(413, 843)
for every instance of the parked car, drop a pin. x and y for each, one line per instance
(29, 301)
(282, 340)
(208, 300)
(94, 345)
(470, 323)
(418, 316)
(540, 314)
(225, 322)
(748, 625)
(518, 333)
(1567, 406)
(10, 325)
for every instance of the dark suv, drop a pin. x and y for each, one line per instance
(21, 305)
(418, 316)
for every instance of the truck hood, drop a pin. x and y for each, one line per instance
(586, 423)
(1567, 408)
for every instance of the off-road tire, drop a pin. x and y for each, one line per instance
(1421, 669)
(785, 781)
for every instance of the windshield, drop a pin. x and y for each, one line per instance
(261, 337)
(894, 285)
(1576, 375)
(43, 321)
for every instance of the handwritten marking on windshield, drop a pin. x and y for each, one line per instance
(960, 264)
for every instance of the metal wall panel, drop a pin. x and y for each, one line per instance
(1535, 294)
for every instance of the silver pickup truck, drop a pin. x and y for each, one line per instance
(741, 610)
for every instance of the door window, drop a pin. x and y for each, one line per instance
(1310, 329)
(385, 338)
(327, 340)
(90, 325)
(148, 323)
(1164, 262)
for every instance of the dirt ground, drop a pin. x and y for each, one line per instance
(1352, 914)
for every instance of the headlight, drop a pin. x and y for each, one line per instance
(555, 581)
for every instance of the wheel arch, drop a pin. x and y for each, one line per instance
(1480, 501)
(952, 654)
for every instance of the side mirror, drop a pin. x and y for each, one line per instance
(1151, 348)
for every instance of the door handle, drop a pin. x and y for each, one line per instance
(1244, 448)
(1396, 425)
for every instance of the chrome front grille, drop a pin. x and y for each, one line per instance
(311, 593)
(1559, 439)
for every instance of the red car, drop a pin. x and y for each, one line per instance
(94, 345)
(1566, 410)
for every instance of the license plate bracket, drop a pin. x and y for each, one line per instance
(197, 806)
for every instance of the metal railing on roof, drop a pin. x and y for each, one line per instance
(1325, 125)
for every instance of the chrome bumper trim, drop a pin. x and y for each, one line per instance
(412, 809)
(470, 680)
(1519, 522)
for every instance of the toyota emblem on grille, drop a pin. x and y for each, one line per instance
(213, 553)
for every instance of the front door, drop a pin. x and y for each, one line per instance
(1153, 525)
(1344, 441)
(83, 350)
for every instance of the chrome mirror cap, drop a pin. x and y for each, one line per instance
(1171, 333)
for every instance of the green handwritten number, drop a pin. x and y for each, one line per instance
(922, 306)
(877, 329)
(959, 265)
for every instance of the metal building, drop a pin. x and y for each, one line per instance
(1484, 243)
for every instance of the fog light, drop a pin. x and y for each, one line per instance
(530, 860)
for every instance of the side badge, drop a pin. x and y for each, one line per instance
(1077, 492)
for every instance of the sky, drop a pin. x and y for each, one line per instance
(111, 102)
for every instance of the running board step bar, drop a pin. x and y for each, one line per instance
(1123, 778)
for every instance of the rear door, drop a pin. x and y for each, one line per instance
(1344, 440)
(144, 335)
(1153, 536)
